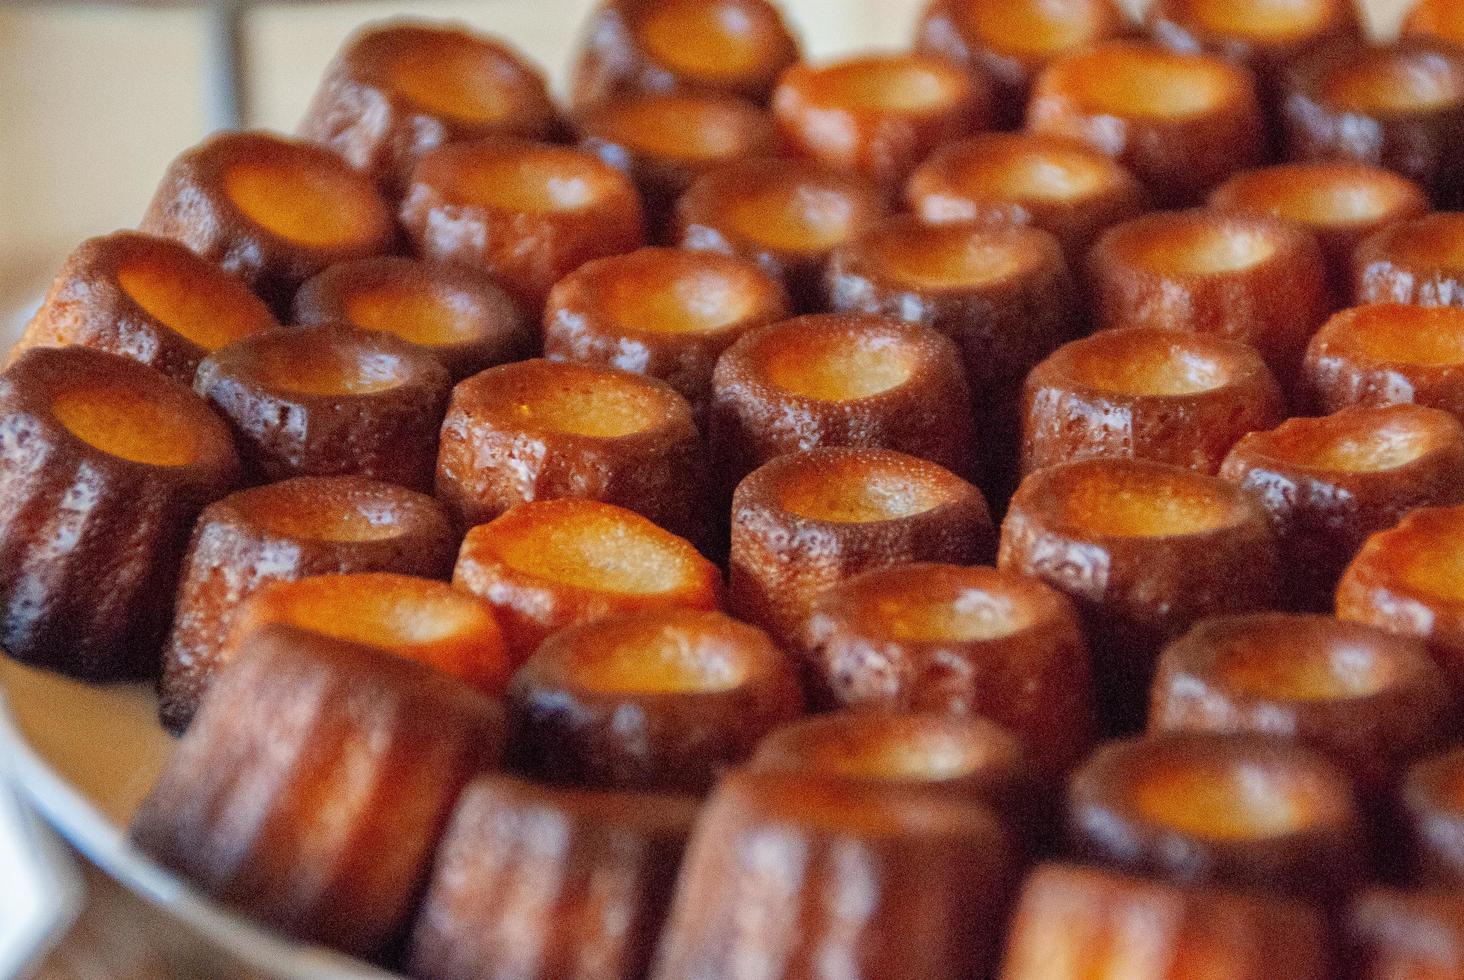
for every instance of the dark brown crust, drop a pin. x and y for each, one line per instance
(254, 808)
(390, 434)
(1340, 372)
(90, 542)
(591, 872)
(1397, 934)
(1433, 820)
(235, 551)
(1384, 272)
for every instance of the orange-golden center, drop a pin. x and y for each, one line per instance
(676, 298)
(1278, 666)
(893, 84)
(391, 612)
(680, 127)
(966, 615)
(1048, 174)
(837, 366)
(951, 257)
(128, 424)
(1150, 83)
(1435, 241)
(898, 749)
(796, 217)
(1387, 82)
(198, 303)
(1225, 801)
(1144, 504)
(329, 369)
(302, 202)
(1146, 365)
(591, 550)
(319, 517)
(456, 78)
(1036, 28)
(1265, 20)
(711, 39)
(418, 313)
(1324, 195)
(585, 403)
(1411, 335)
(1429, 559)
(661, 658)
(1353, 443)
(1199, 247)
(538, 180)
(858, 494)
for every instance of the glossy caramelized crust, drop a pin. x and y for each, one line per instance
(1441, 19)
(459, 316)
(311, 525)
(537, 881)
(1397, 935)
(1420, 262)
(1060, 185)
(542, 430)
(659, 700)
(1388, 354)
(1370, 701)
(314, 784)
(1431, 805)
(634, 47)
(558, 563)
(785, 215)
(330, 400)
(104, 464)
(401, 88)
(1181, 122)
(146, 298)
(1139, 393)
(1261, 36)
(663, 312)
(1330, 483)
(272, 211)
(809, 520)
(786, 875)
(526, 213)
(1075, 922)
(1239, 811)
(958, 641)
(878, 114)
(1249, 277)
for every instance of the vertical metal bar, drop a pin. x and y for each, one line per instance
(227, 64)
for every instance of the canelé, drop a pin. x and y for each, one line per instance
(1393, 935)
(1442, 19)
(1388, 354)
(1431, 807)
(1419, 262)
(1263, 36)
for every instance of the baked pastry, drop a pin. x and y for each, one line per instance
(1396, 934)
(1388, 354)
(1439, 19)
(1420, 262)
(1431, 811)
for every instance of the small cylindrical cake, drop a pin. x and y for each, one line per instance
(1393, 935)
(1140, 393)
(1060, 185)
(1077, 923)
(1238, 811)
(878, 114)
(1441, 19)
(1181, 122)
(809, 520)
(313, 786)
(1370, 701)
(1419, 262)
(543, 430)
(400, 88)
(660, 700)
(785, 876)
(1249, 277)
(147, 298)
(785, 215)
(330, 400)
(1388, 354)
(558, 563)
(538, 881)
(104, 464)
(311, 525)
(526, 213)
(459, 316)
(272, 211)
(1263, 36)
(959, 641)
(1431, 807)
(663, 312)
(634, 47)
(1330, 483)
(1145, 550)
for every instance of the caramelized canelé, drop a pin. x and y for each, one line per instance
(1263, 36)
(1388, 354)
(1441, 19)
(958, 641)
(312, 787)
(330, 400)
(1330, 483)
(1181, 122)
(1139, 393)
(401, 88)
(1431, 806)
(147, 298)
(311, 525)
(272, 211)
(1393, 935)
(104, 464)
(538, 881)
(1419, 262)
(660, 700)
(558, 563)
(809, 520)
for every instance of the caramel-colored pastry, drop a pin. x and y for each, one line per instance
(663, 312)
(1181, 122)
(272, 211)
(146, 298)
(543, 882)
(458, 315)
(1238, 811)
(311, 525)
(526, 213)
(1419, 262)
(1145, 550)
(543, 430)
(959, 641)
(1263, 36)
(1140, 393)
(1441, 19)
(634, 47)
(785, 876)
(312, 787)
(400, 88)
(1388, 354)
(1397, 935)
(1331, 483)
(104, 464)
(1079, 923)
(557, 563)
(659, 700)
(1431, 808)
(808, 520)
